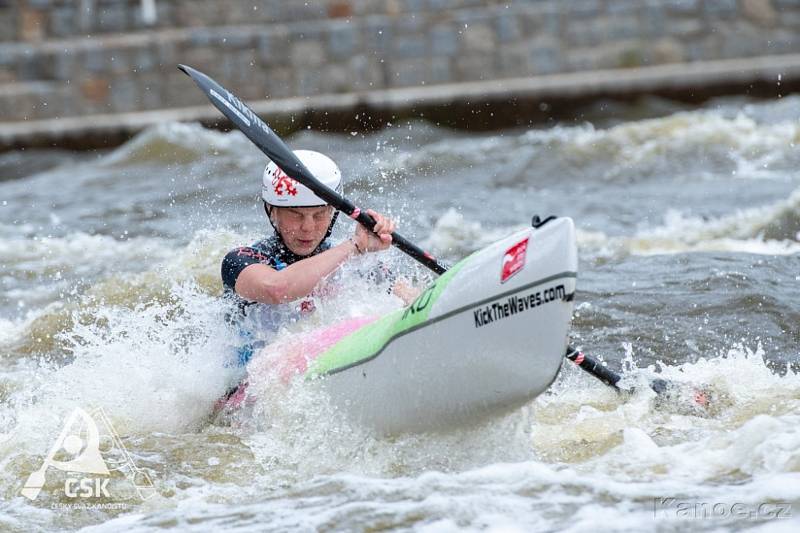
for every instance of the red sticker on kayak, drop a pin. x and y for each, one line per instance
(514, 260)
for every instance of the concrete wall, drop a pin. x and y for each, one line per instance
(61, 58)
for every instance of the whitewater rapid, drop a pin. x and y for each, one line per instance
(689, 238)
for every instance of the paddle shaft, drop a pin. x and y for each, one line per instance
(273, 147)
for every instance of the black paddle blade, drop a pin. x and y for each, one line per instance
(273, 147)
(684, 398)
(261, 135)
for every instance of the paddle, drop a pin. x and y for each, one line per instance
(262, 136)
(273, 147)
(694, 398)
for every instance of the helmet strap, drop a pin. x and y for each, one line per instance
(330, 228)
(268, 210)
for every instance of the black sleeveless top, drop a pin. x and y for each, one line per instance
(270, 251)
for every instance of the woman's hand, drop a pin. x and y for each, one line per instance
(367, 241)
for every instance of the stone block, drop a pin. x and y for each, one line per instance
(112, 18)
(273, 45)
(545, 60)
(582, 8)
(32, 24)
(474, 67)
(63, 22)
(124, 95)
(513, 60)
(64, 64)
(95, 59)
(409, 25)
(760, 11)
(441, 5)
(537, 20)
(377, 34)
(364, 72)
(300, 10)
(790, 19)
(721, 8)
(236, 38)
(343, 40)
(552, 21)
(168, 54)
(238, 67)
(28, 64)
(336, 78)
(443, 40)
(623, 7)
(307, 82)
(95, 89)
(623, 28)
(409, 46)
(7, 75)
(409, 72)
(441, 70)
(202, 36)
(178, 91)
(702, 49)
(682, 7)
(307, 54)
(508, 27)
(667, 50)
(580, 59)
(145, 59)
(278, 83)
(119, 60)
(340, 9)
(653, 20)
(581, 33)
(149, 90)
(784, 42)
(686, 27)
(412, 6)
(741, 43)
(477, 38)
(8, 24)
(201, 57)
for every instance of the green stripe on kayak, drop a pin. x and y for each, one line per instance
(369, 340)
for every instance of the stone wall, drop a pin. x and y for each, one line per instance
(62, 58)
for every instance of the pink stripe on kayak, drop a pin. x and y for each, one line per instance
(299, 355)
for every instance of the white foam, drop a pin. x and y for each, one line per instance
(154, 367)
(739, 144)
(77, 250)
(751, 230)
(454, 235)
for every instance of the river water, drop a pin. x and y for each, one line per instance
(689, 238)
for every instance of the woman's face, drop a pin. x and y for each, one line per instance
(302, 228)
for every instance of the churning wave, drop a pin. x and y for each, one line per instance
(692, 144)
(771, 230)
(181, 143)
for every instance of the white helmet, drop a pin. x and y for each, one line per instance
(280, 190)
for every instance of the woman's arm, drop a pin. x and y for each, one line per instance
(264, 284)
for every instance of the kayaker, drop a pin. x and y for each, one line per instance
(273, 279)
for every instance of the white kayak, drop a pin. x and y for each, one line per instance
(486, 337)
